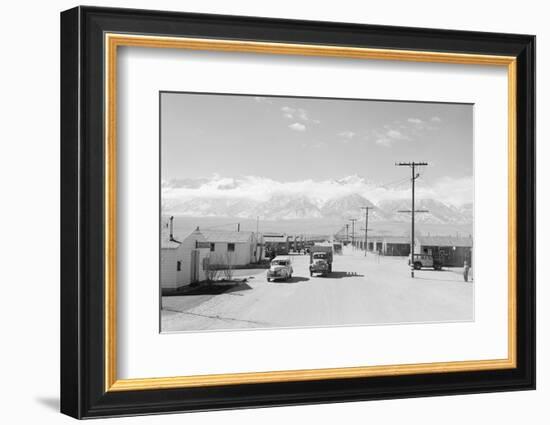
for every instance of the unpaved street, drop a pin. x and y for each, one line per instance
(360, 291)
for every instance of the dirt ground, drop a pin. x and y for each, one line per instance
(360, 291)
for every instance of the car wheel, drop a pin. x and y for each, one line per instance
(417, 266)
(268, 279)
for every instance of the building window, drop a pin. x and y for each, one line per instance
(178, 266)
(212, 247)
(231, 247)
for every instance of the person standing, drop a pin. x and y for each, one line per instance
(466, 270)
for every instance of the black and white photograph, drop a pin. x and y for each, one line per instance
(310, 209)
(290, 212)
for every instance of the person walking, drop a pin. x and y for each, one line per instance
(466, 270)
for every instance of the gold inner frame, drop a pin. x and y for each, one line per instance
(113, 41)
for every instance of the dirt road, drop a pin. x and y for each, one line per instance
(360, 291)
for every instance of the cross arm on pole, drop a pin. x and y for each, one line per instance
(410, 164)
(410, 211)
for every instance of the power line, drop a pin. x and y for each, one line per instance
(391, 183)
(366, 225)
(414, 176)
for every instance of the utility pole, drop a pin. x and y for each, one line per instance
(347, 233)
(353, 220)
(363, 229)
(366, 225)
(171, 228)
(414, 176)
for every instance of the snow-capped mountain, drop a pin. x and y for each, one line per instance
(283, 207)
(250, 197)
(432, 211)
(212, 207)
(351, 206)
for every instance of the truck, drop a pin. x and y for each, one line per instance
(275, 244)
(425, 261)
(320, 260)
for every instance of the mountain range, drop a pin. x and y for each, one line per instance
(232, 198)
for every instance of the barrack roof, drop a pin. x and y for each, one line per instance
(227, 236)
(459, 241)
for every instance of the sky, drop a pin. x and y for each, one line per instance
(290, 139)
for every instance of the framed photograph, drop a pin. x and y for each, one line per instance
(261, 212)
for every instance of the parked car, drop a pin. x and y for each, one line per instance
(280, 269)
(425, 261)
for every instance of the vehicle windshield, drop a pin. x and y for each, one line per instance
(320, 255)
(278, 263)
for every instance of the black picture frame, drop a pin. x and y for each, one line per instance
(83, 392)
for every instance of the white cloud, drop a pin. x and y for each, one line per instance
(297, 127)
(383, 142)
(287, 110)
(302, 114)
(395, 134)
(347, 134)
(298, 114)
(261, 99)
(454, 191)
(403, 130)
(388, 137)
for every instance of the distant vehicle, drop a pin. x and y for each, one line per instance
(425, 261)
(337, 248)
(280, 248)
(307, 246)
(275, 244)
(280, 269)
(320, 260)
(273, 250)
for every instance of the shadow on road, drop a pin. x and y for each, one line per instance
(341, 275)
(294, 279)
(217, 289)
(440, 280)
